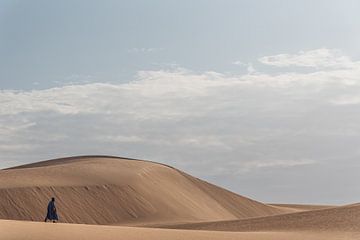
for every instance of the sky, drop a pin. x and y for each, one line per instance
(259, 97)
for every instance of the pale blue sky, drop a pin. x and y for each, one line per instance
(46, 43)
(261, 97)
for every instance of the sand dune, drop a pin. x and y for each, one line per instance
(18, 230)
(109, 190)
(339, 219)
(165, 202)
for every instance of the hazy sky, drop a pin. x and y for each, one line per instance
(261, 97)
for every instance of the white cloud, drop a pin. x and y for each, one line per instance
(239, 63)
(120, 139)
(346, 100)
(18, 147)
(144, 50)
(204, 142)
(318, 58)
(181, 115)
(250, 69)
(160, 94)
(279, 163)
(249, 66)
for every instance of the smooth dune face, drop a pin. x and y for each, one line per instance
(104, 190)
(18, 230)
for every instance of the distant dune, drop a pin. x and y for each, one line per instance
(343, 219)
(109, 190)
(161, 201)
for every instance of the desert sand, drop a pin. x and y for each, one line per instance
(101, 197)
(14, 230)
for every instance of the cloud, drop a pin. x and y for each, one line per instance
(235, 168)
(279, 163)
(318, 58)
(144, 50)
(164, 94)
(119, 139)
(250, 69)
(214, 125)
(346, 100)
(249, 66)
(239, 63)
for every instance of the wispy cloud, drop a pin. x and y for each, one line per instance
(318, 58)
(144, 50)
(279, 163)
(249, 66)
(239, 63)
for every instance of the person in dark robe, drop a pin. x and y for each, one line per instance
(51, 212)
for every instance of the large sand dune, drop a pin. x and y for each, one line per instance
(102, 190)
(108, 190)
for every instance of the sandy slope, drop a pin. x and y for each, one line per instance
(337, 219)
(17, 230)
(107, 190)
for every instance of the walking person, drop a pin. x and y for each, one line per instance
(51, 212)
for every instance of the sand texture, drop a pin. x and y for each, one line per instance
(18, 230)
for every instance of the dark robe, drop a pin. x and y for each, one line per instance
(51, 212)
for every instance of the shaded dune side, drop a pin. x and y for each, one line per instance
(81, 204)
(104, 190)
(230, 201)
(345, 219)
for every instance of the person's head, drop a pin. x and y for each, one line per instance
(53, 199)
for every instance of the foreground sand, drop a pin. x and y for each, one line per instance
(20, 230)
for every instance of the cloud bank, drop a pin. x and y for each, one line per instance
(215, 125)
